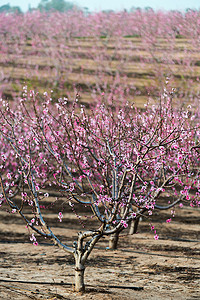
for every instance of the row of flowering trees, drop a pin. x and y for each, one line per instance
(119, 163)
(123, 23)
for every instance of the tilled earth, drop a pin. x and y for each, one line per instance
(141, 268)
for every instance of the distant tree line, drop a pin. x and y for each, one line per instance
(8, 8)
(59, 5)
(44, 5)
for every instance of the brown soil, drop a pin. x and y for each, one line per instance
(141, 268)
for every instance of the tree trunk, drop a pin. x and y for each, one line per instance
(79, 280)
(134, 226)
(81, 254)
(79, 275)
(113, 241)
(131, 230)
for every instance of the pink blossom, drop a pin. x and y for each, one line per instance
(124, 223)
(156, 237)
(60, 216)
(9, 176)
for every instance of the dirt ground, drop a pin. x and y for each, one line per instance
(141, 268)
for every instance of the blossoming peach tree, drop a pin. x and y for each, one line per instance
(118, 163)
